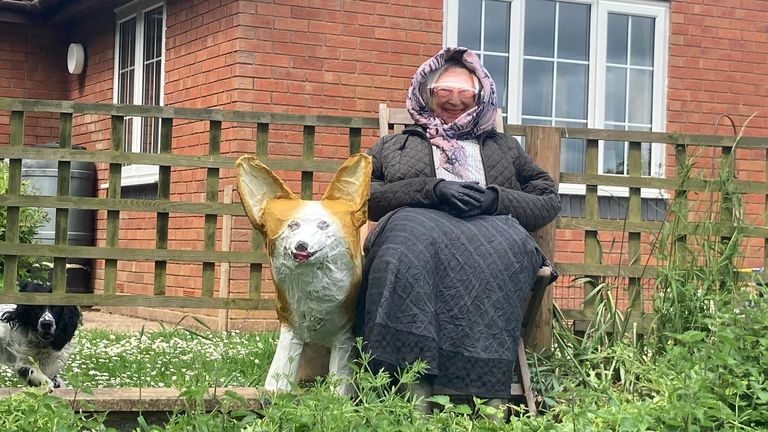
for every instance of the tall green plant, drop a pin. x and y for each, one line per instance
(700, 251)
(30, 221)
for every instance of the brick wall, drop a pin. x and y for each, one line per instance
(32, 59)
(320, 56)
(718, 67)
(330, 56)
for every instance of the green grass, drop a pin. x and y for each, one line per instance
(164, 358)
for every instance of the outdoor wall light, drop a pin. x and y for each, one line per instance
(75, 58)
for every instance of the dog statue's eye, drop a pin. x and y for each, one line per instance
(322, 225)
(293, 225)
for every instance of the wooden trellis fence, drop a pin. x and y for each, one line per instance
(543, 143)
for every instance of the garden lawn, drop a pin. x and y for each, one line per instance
(174, 358)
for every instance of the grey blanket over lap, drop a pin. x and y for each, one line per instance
(449, 291)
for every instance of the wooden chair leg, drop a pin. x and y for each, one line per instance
(525, 377)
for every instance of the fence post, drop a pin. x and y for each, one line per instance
(543, 145)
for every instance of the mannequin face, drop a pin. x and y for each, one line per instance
(453, 94)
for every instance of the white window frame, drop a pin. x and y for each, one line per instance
(137, 174)
(599, 11)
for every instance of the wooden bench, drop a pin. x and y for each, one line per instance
(396, 119)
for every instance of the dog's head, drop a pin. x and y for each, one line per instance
(306, 230)
(54, 325)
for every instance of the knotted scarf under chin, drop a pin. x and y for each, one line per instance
(479, 119)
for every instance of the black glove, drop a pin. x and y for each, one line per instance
(459, 197)
(487, 206)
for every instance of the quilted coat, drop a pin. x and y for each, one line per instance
(404, 176)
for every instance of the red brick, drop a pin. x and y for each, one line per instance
(341, 66)
(306, 63)
(325, 28)
(273, 10)
(290, 49)
(289, 99)
(308, 39)
(325, 4)
(291, 24)
(342, 41)
(309, 14)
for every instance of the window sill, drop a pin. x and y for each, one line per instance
(135, 175)
(616, 191)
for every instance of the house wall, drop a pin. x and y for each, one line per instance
(298, 57)
(32, 59)
(344, 58)
(316, 57)
(718, 84)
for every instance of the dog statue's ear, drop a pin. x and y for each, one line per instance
(256, 184)
(352, 183)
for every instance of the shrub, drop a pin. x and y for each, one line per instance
(30, 221)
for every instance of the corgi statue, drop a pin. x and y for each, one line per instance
(315, 258)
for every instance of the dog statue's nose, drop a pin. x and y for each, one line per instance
(301, 246)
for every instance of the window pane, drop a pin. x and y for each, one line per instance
(618, 26)
(645, 158)
(125, 87)
(572, 150)
(539, 28)
(645, 150)
(573, 31)
(128, 130)
(537, 88)
(571, 124)
(150, 135)
(497, 67)
(640, 96)
(615, 94)
(153, 33)
(641, 51)
(127, 43)
(496, 26)
(613, 157)
(572, 153)
(127, 62)
(469, 24)
(152, 83)
(536, 122)
(571, 96)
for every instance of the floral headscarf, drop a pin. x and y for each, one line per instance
(469, 125)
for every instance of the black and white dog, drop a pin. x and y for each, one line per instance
(36, 341)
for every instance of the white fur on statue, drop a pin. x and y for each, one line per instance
(314, 251)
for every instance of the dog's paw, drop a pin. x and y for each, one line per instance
(34, 378)
(57, 382)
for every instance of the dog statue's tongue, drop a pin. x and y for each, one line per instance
(302, 256)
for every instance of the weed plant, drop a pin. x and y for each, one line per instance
(34, 410)
(702, 365)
